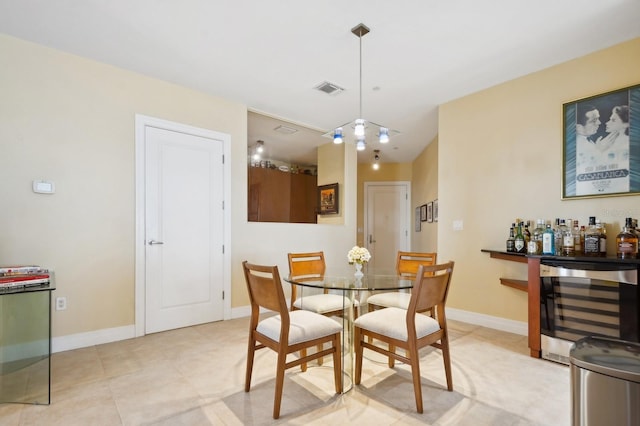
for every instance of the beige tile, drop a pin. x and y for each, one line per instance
(195, 376)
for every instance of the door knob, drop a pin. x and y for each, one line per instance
(154, 242)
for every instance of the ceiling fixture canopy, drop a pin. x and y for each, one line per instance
(363, 130)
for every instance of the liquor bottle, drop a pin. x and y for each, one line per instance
(603, 237)
(520, 244)
(568, 241)
(592, 239)
(527, 232)
(577, 239)
(548, 241)
(558, 231)
(636, 231)
(537, 234)
(511, 242)
(627, 241)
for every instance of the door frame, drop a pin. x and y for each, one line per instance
(141, 122)
(365, 209)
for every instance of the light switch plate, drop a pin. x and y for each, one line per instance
(43, 187)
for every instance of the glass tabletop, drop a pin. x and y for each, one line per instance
(369, 282)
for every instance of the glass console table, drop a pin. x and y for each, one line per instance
(25, 344)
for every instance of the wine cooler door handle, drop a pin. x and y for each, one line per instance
(154, 242)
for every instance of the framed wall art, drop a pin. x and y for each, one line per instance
(430, 212)
(328, 198)
(417, 220)
(435, 210)
(601, 145)
(423, 213)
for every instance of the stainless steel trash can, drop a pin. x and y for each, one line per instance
(605, 382)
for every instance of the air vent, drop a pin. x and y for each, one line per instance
(285, 130)
(329, 88)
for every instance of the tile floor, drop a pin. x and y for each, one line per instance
(194, 376)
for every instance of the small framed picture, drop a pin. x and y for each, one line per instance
(423, 213)
(430, 212)
(435, 210)
(328, 198)
(418, 221)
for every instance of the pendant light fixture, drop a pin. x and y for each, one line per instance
(376, 159)
(362, 129)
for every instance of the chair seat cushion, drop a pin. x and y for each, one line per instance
(323, 303)
(393, 299)
(392, 322)
(305, 326)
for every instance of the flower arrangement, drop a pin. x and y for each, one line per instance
(358, 255)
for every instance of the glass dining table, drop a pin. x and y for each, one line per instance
(356, 291)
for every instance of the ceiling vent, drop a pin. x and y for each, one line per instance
(329, 88)
(285, 130)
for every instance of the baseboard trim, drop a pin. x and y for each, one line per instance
(497, 323)
(91, 338)
(108, 335)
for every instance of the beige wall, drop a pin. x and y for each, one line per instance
(500, 157)
(424, 189)
(71, 120)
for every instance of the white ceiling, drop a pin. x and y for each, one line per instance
(269, 54)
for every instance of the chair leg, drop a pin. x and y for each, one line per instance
(250, 355)
(337, 362)
(319, 348)
(415, 373)
(446, 356)
(357, 340)
(303, 366)
(392, 361)
(277, 398)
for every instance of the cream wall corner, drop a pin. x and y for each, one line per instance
(500, 157)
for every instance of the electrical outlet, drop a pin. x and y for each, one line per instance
(61, 303)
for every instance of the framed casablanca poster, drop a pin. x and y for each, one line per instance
(601, 147)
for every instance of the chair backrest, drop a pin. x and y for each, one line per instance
(265, 289)
(408, 262)
(430, 289)
(307, 265)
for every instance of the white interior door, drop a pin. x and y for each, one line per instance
(386, 223)
(184, 228)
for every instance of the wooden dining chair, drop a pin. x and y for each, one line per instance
(407, 263)
(287, 332)
(408, 328)
(311, 266)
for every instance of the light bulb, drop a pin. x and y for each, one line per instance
(359, 130)
(256, 156)
(384, 135)
(337, 135)
(260, 147)
(376, 166)
(361, 145)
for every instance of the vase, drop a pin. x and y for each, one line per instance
(358, 273)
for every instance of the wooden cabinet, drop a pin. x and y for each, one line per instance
(276, 196)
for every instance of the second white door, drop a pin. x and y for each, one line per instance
(386, 223)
